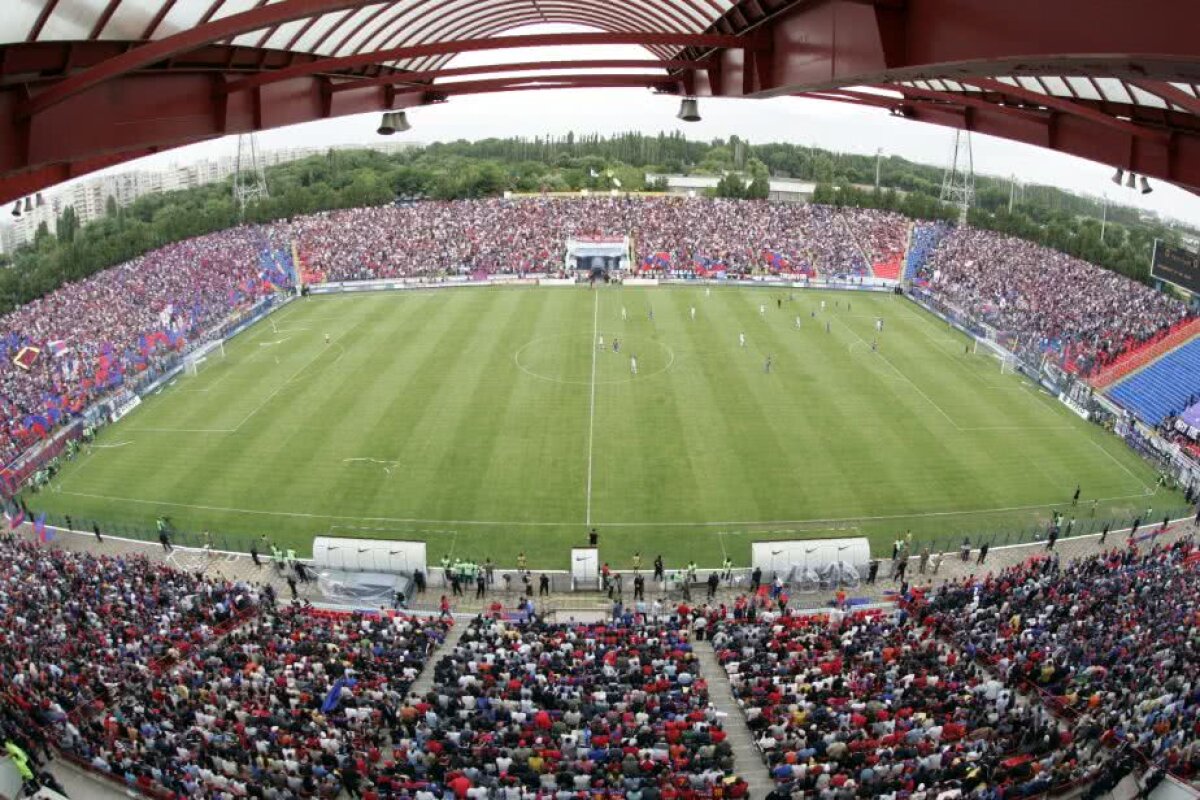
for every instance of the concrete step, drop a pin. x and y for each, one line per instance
(747, 759)
(425, 681)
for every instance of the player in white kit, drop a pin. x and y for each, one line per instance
(633, 365)
(762, 310)
(693, 313)
(742, 339)
(797, 323)
(600, 343)
(624, 314)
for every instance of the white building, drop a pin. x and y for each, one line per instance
(89, 196)
(8, 241)
(782, 190)
(34, 211)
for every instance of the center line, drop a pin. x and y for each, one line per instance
(592, 403)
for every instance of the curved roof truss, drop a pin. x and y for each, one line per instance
(1109, 80)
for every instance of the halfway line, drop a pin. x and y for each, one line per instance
(592, 403)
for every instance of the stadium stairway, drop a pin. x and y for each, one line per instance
(1163, 386)
(921, 244)
(747, 761)
(424, 681)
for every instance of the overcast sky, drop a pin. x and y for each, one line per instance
(834, 126)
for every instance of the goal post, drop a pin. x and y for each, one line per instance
(193, 360)
(986, 347)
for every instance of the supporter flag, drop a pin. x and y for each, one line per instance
(26, 356)
(39, 527)
(37, 424)
(706, 267)
(14, 517)
(776, 261)
(58, 347)
(335, 694)
(659, 260)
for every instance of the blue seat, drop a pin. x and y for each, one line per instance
(1163, 386)
(925, 240)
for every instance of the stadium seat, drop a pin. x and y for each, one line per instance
(925, 238)
(1162, 387)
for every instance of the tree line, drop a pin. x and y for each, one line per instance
(488, 167)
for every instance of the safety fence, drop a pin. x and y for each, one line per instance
(951, 545)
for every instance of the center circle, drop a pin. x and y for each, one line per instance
(568, 358)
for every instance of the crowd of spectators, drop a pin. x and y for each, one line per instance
(297, 703)
(529, 709)
(869, 705)
(1109, 640)
(1009, 685)
(79, 630)
(1046, 299)
(528, 235)
(97, 332)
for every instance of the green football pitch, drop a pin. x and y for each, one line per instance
(488, 422)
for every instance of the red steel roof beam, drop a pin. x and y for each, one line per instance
(1066, 106)
(1171, 94)
(161, 49)
(402, 78)
(328, 65)
(441, 28)
(518, 13)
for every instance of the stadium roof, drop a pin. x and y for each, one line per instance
(88, 83)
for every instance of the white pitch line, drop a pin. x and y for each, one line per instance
(381, 462)
(283, 385)
(1128, 471)
(909, 380)
(181, 430)
(592, 404)
(535, 524)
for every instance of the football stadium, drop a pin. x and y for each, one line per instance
(694, 462)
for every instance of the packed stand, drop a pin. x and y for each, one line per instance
(925, 238)
(80, 630)
(882, 236)
(527, 709)
(1047, 300)
(869, 705)
(1111, 640)
(85, 338)
(296, 704)
(466, 237)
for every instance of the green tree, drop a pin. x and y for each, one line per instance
(760, 180)
(731, 185)
(67, 225)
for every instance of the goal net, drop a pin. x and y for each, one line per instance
(1007, 361)
(193, 361)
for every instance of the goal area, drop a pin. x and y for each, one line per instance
(1006, 360)
(195, 359)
